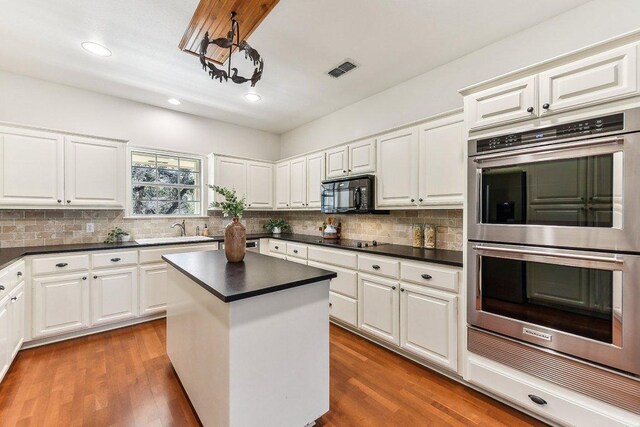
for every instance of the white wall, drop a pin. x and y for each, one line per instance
(34, 102)
(437, 90)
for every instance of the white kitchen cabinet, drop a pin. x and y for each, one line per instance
(298, 196)
(17, 313)
(378, 312)
(114, 295)
(346, 283)
(153, 289)
(61, 304)
(259, 185)
(230, 173)
(315, 176)
(362, 157)
(506, 103)
(397, 169)
(5, 337)
(283, 185)
(94, 172)
(599, 78)
(343, 308)
(32, 168)
(442, 164)
(338, 162)
(428, 324)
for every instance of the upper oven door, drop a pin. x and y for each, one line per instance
(580, 303)
(577, 194)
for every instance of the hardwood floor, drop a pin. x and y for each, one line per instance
(124, 378)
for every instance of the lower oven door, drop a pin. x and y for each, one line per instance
(584, 304)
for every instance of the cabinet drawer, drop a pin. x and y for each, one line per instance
(330, 256)
(114, 259)
(379, 266)
(295, 250)
(278, 247)
(17, 273)
(346, 283)
(59, 264)
(5, 283)
(426, 274)
(343, 308)
(148, 256)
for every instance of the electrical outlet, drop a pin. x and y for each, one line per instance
(90, 228)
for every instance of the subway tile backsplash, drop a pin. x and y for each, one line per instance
(54, 227)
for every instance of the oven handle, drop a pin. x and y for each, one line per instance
(547, 148)
(614, 259)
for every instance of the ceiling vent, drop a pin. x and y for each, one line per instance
(342, 69)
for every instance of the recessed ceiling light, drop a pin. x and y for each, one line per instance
(96, 49)
(174, 101)
(252, 97)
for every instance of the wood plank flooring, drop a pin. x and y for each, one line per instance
(124, 378)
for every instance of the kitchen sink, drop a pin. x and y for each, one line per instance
(174, 239)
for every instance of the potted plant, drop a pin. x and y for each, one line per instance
(276, 226)
(235, 234)
(117, 235)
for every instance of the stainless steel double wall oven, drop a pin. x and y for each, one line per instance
(554, 238)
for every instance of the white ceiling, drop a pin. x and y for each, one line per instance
(392, 40)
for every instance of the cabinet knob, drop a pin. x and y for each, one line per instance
(1, 287)
(330, 305)
(61, 264)
(537, 400)
(115, 259)
(375, 267)
(287, 204)
(546, 105)
(530, 110)
(393, 288)
(84, 278)
(14, 299)
(413, 200)
(344, 171)
(277, 247)
(59, 200)
(68, 201)
(295, 251)
(249, 205)
(95, 277)
(420, 200)
(426, 276)
(401, 289)
(19, 273)
(349, 170)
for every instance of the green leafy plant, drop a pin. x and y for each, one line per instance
(115, 235)
(231, 206)
(276, 223)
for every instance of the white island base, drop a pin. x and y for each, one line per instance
(260, 361)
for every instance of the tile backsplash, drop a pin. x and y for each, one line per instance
(53, 227)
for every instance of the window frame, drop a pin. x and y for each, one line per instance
(200, 184)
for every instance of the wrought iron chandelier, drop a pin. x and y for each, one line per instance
(232, 40)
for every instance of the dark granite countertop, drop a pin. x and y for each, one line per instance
(256, 275)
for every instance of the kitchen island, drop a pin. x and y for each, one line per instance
(249, 341)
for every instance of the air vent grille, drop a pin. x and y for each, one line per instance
(342, 69)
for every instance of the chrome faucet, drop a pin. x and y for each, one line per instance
(183, 230)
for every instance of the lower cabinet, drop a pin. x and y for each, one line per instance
(114, 295)
(5, 351)
(17, 313)
(428, 324)
(153, 289)
(343, 308)
(61, 304)
(378, 311)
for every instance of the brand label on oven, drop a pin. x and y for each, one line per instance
(537, 334)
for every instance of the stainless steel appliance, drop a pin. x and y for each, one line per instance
(349, 195)
(252, 245)
(571, 185)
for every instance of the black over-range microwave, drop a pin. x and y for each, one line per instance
(354, 194)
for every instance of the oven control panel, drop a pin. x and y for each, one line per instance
(593, 126)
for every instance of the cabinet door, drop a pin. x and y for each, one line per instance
(153, 289)
(315, 176)
(299, 183)
(442, 165)
(397, 177)
(428, 324)
(5, 346)
(61, 304)
(506, 103)
(362, 157)
(338, 162)
(94, 172)
(232, 174)
(599, 78)
(259, 185)
(378, 309)
(17, 317)
(114, 295)
(32, 168)
(283, 185)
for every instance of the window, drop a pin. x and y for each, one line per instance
(165, 184)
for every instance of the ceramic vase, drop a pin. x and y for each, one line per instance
(276, 230)
(235, 241)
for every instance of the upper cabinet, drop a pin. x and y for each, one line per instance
(397, 177)
(298, 185)
(250, 179)
(231, 173)
(259, 185)
(283, 185)
(47, 169)
(337, 162)
(353, 159)
(315, 176)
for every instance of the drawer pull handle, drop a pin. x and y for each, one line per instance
(95, 277)
(115, 259)
(426, 276)
(537, 400)
(295, 251)
(61, 264)
(19, 273)
(375, 267)
(14, 299)
(84, 278)
(1, 287)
